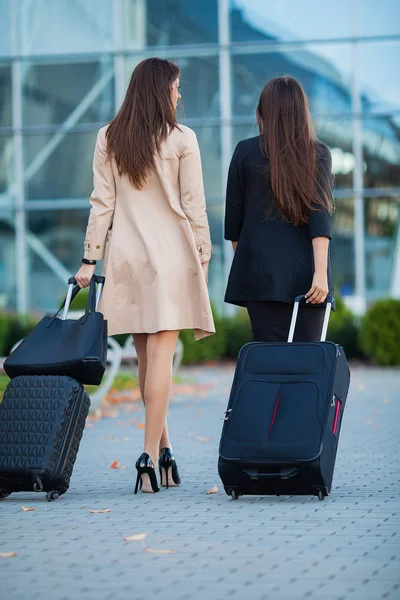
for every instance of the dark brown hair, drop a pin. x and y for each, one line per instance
(288, 141)
(144, 119)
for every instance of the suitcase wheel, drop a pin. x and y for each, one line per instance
(235, 494)
(4, 494)
(321, 495)
(53, 495)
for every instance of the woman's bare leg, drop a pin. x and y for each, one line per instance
(160, 352)
(140, 341)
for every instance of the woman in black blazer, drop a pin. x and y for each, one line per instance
(278, 206)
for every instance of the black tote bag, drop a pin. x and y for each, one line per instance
(73, 347)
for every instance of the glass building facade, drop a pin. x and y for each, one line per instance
(64, 68)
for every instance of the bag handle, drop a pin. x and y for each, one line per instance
(73, 291)
(329, 303)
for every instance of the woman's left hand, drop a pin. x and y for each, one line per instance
(319, 289)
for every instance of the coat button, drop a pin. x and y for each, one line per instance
(97, 247)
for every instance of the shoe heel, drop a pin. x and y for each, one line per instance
(137, 483)
(166, 476)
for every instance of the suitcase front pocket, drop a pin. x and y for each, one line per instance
(274, 421)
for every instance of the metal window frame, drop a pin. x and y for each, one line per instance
(224, 49)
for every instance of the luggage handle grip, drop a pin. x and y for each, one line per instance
(329, 302)
(287, 473)
(74, 289)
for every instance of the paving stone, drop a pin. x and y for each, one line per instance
(286, 548)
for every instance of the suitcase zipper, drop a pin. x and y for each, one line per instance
(336, 417)
(274, 413)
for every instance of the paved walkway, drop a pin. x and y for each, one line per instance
(287, 548)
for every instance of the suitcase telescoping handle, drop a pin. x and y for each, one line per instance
(73, 290)
(330, 301)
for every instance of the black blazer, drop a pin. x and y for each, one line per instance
(273, 260)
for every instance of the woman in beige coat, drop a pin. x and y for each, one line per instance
(148, 222)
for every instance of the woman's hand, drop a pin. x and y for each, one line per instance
(319, 289)
(84, 275)
(205, 270)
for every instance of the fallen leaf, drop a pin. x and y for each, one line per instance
(135, 538)
(140, 425)
(202, 439)
(161, 551)
(98, 511)
(7, 554)
(214, 490)
(116, 465)
(385, 401)
(27, 508)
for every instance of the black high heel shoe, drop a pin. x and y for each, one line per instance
(145, 466)
(167, 463)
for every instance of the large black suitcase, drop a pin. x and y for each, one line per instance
(284, 414)
(42, 418)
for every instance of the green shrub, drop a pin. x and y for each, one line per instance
(121, 338)
(380, 332)
(14, 327)
(209, 348)
(238, 332)
(343, 329)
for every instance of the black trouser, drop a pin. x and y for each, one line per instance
(270, 321)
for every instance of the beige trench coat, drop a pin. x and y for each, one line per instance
(153, 241)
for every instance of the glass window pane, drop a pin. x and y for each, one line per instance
(210, 149)
(66, 172)
(6, 169)
(378, 18)
(378, 68)
(174, 22)
(199, 87)
(382, 229)
(342, 246)
(326, 80)
(381, 145)
(64, 27)
(8, 269)
(5, 96)
(52, 92)
(5, 28)
(257, 20)
(61, 232)
(338, 135)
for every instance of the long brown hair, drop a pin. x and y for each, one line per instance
(144, 119)
(288, 141)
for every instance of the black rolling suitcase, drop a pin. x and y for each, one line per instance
(42, 418)
(284, 414)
